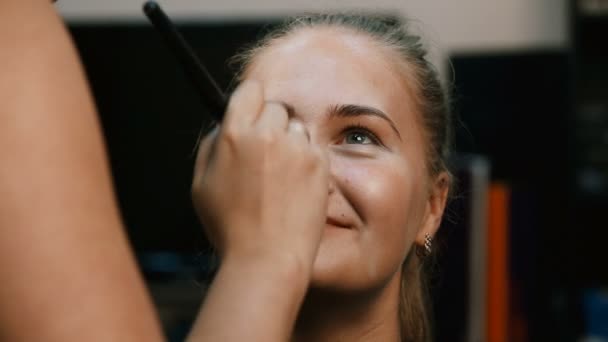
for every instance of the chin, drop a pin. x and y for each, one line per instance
(340, 264)
(346, 263)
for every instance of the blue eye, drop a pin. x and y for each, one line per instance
(360, 135)
(358, 138)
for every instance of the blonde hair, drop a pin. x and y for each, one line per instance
(432, 103)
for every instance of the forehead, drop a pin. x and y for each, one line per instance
(318, 67)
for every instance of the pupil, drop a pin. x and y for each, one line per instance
(357, 138)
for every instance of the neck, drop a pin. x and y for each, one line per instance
(329, 315)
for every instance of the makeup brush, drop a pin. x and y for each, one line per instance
(211, 94)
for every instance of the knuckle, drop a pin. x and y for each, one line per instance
(231, 136)
(268, 138)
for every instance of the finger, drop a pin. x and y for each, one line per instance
(204, 154)
(245, 105)
(322, 157)
(297, 130)
(273, 117)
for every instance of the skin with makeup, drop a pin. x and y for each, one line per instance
(324, 133)
(316, 189)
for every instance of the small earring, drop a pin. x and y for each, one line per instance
(426, 249)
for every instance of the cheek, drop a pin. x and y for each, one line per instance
(385, 195)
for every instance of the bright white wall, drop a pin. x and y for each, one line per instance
(450, 25)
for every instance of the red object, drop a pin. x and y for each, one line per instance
(498, 267)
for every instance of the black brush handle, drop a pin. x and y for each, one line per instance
(210, 92)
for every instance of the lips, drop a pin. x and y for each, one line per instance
(338, 223)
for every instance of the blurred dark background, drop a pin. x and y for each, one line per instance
(537, 116)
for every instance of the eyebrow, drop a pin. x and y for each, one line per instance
(347, 111)
(354, 110)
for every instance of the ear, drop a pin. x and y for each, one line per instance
(435, 206)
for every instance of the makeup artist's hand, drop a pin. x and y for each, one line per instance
(260, 186)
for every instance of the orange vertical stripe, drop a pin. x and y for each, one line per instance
(498, 271)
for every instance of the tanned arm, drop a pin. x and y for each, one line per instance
(67, 272)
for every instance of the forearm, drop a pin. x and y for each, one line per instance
(252, 300)
(66, 268)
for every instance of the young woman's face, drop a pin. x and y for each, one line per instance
(353, 101)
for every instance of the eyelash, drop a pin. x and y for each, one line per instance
(358, 128)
